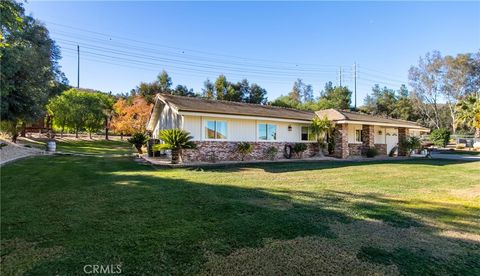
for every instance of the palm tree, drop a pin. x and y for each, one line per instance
(319, 128)
(176, 140)
(468, 113)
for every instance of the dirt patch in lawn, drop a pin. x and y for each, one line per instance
(270, 203)
(19, 256)
(358, 248)
(469, 193)
(300, 256)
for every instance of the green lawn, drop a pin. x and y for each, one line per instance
(59, 213)
(85, 146)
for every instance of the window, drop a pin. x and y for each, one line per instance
(305, 135)
(267, 132)
(358, 135)
(216, 130)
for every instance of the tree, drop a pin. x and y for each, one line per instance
(382, 101)
(461, 75)
(221, 87)
(440, 137)
(257, 95)
(241, 91)
(182, 90)
(426, 80)
(131, 117)
(164, 83)
(404, 107)
(320, 129)
(467, 113)
(296, 93)
(148, 90)
(176, 140)
(138, 139)
(285, 101)
(30, 72)
(209, 90)
(335, 97)
(59, 108)
(107, 102)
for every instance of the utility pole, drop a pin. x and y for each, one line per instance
(355, 82)
(78, 66)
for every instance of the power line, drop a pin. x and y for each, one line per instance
(183, 49)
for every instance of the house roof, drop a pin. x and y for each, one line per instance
(337, 115)
(201, 105)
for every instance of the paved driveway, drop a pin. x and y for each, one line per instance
(456, 156)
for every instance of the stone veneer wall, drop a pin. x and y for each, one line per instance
(213, 151)
(340, 135)
(355, 149)
(368, 136)
(381, 148)
(402, 136)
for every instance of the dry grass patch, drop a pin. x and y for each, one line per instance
(353, 251)
(19, 256)
(300, 256)
(270, 203)
(472, 193)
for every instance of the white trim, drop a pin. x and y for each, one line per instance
(266, 128)
(379, 124)
(204, 134)
(242, 117)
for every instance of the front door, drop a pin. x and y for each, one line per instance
(391, 138)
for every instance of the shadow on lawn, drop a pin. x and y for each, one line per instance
(156, 224)
(281, 167)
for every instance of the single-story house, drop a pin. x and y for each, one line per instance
(218, 126)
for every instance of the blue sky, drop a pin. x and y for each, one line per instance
(270, 43)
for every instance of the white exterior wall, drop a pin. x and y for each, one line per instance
(379, 135)
(351, 133)
(168, 119)
(242, 129)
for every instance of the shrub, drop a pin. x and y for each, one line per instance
(440, 137)
(299, 148)
(371, 152)
(176, 140)
(460, 146)
(411, 143)
(244, 148)
(138, 140)
(271, 152)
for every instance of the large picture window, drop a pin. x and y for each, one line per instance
(216, 130)
(267, 132)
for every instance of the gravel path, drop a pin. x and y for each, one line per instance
(13, 152)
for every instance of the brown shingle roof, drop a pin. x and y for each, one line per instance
(193, 104)
(343, 115)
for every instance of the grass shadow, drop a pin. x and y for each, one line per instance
(104, 210)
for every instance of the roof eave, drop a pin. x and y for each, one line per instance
(381, 124)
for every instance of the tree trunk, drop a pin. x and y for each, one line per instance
(76, 133)
(90, 135)
(121, 135)
(106, 127)
(61, 132)
(176, 156)
(22, 133)
(139, 148)
(14, 138)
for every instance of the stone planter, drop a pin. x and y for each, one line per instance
(51, 146)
